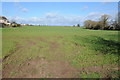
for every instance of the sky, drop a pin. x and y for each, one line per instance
(57, 13)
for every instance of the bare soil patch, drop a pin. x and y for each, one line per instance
(41, 68)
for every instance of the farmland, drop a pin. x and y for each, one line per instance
(59, 52)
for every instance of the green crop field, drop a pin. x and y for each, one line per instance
(57, 51)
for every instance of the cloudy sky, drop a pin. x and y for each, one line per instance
(57, 13)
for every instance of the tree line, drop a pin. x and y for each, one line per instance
(104, 23)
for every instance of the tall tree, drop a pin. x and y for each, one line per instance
(104, 21)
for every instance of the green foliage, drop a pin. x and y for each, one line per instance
(114, 74)
(90, 75)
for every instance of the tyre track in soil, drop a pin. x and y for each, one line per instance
(12, 52)
(7, 67)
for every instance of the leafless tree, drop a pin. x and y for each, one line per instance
(104, 21)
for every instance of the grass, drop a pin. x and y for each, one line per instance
(80, 47)
(90, 75)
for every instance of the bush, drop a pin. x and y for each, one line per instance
(92, 25)
(16, 25)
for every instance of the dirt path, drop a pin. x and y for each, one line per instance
(40, 67)
(8, 65)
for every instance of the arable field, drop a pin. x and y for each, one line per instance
(59, 52)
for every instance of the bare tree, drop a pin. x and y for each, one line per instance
(104, 21)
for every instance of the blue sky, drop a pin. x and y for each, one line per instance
(57, 13)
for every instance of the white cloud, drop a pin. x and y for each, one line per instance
(93, 16)
(24, 10)
(85, 7)
(50, 19)
(57, 19)
(20, 7)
